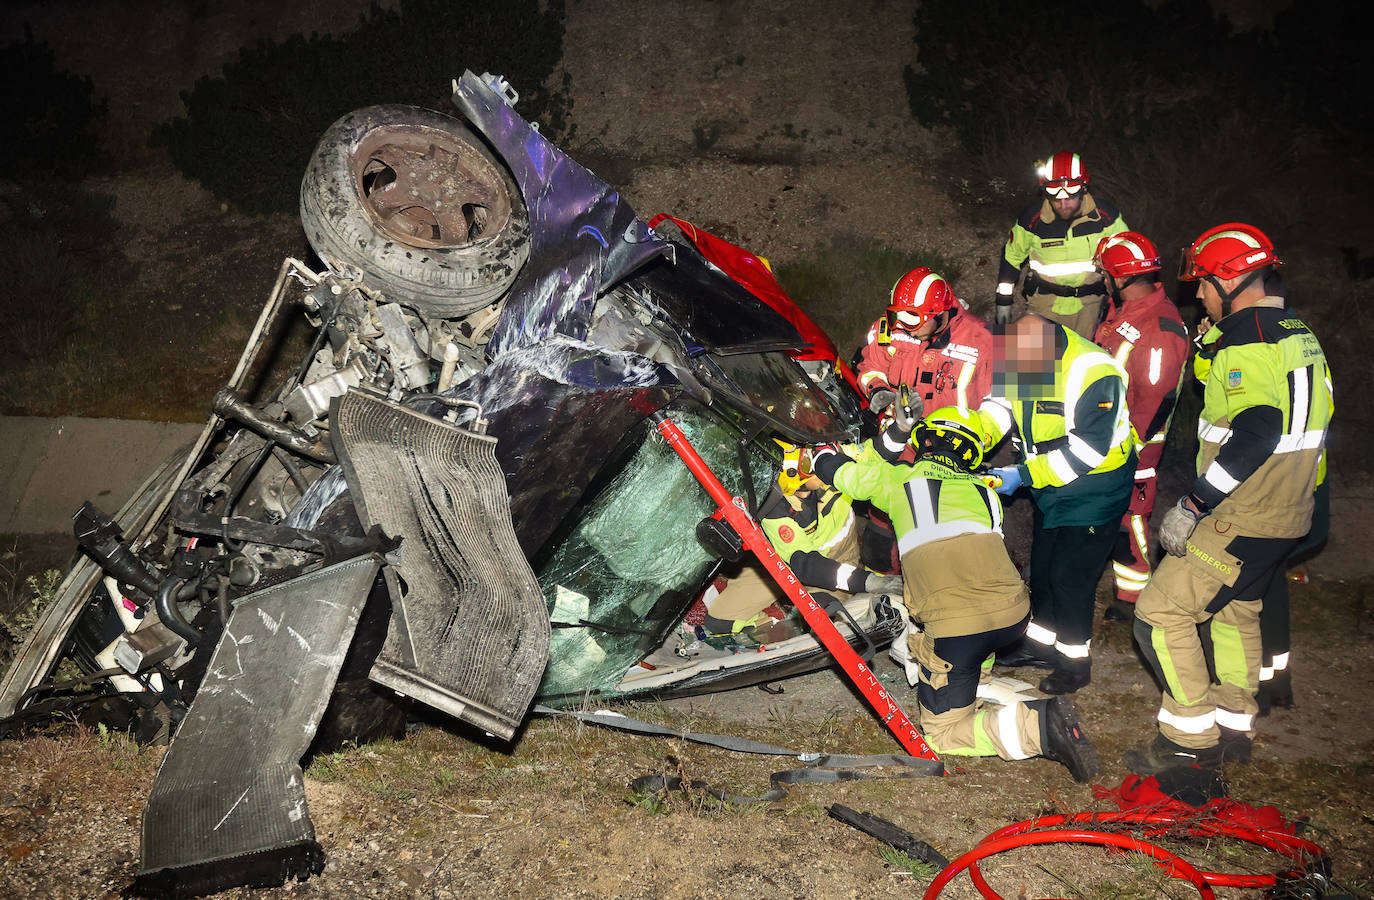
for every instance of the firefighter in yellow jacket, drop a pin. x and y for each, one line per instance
(1057, 236)
(963, 596)
(1266, 408)
(814, 529)
(1064, 402)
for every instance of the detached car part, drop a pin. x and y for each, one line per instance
(494, 328)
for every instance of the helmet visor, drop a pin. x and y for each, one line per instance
(1188, 269)
(905, 320)
(1061, 190)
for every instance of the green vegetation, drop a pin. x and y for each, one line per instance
(52, 119)
(248, 134)
(845, 285)
(23, 597)
(898, 860)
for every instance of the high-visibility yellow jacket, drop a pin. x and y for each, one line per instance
(1074, 433)
(1058, 252)
(1267, 403)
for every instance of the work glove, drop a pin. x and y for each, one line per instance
(1005, 480)
(1177, 527)
(1001, 313)
(881, 399)
(900, 652)
(883, 584)
(907, 411)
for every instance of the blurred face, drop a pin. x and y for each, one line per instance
(1025, 358)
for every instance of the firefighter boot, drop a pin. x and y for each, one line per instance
(1068, 676)
(1163, 754)
(1119, 611)
(1025, 653)
(1235, 745)
(1062, 740)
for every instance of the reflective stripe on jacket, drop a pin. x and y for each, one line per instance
(1056, 250)
(1075, 435)
(1266, 408)
(957, 576)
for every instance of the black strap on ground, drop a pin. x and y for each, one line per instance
(609, 719)
(889, 833)
(823, 768)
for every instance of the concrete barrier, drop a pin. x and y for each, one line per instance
(49, 467)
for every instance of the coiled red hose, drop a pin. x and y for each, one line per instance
(1049, 830)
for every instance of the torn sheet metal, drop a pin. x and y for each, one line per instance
(583, 233)
(562, 400)
(228, 804)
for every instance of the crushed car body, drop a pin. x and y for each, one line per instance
(452, 495)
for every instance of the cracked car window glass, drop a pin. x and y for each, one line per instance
(623, 577)
(776, 385)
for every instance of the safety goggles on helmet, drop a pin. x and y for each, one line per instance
(906, 320)
(918, 297)
(1063, 189)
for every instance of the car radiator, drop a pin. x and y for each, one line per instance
(469, 630)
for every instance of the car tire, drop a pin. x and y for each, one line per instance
(415, 201)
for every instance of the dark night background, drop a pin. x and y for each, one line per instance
(153, 156)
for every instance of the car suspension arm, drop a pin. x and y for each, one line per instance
(735, 513)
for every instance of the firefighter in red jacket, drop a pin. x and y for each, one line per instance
(930, 342)
(1143, 331)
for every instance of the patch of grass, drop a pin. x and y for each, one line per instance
(896, 859)
(23, 597)
(846, 284)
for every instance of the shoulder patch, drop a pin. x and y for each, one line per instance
(1233, 379)
(787, 534)
(1172, 326)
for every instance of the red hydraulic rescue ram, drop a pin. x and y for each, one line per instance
(734, 511)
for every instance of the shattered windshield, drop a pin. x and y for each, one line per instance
(626, 573)
(775, 385)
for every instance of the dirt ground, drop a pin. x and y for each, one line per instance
(701, 109)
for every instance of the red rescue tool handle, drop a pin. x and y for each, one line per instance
(736, 513)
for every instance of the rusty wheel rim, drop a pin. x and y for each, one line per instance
(424, 187)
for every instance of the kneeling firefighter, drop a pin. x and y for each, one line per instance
(963, 596)
(815, 531)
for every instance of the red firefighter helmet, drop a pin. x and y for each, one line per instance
(1063, 175)
(1126, 253)
(1227, 251)
(918, 296)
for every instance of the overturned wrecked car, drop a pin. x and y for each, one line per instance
(452, 493)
